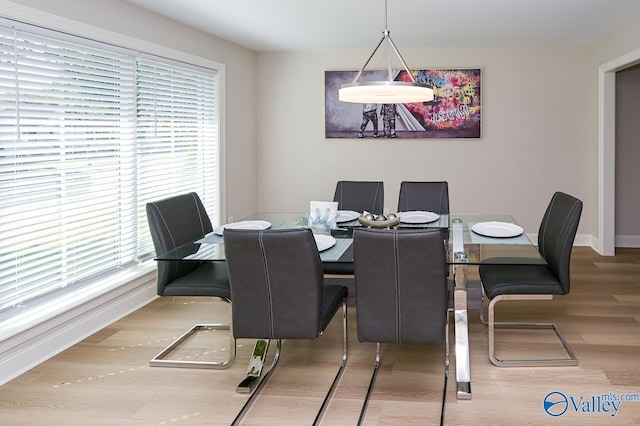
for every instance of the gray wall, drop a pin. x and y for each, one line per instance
(536, 134)
(628, 157)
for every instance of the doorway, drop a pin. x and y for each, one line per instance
(606, 244)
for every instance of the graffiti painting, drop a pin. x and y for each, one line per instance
(455, 111)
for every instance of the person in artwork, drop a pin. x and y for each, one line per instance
(369, 114)
(389, 113)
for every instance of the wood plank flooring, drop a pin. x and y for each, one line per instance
(106, 379)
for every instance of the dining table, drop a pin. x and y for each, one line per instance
(469, 239)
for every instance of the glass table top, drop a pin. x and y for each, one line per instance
(464, 246)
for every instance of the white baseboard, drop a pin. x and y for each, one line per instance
(25, 350)
(628, 241)
(583, 240)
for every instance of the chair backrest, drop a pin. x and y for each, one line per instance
(175, 221)
(425, 196)
(556, 235)
(360, 196)
(276, 283)
(401, 285)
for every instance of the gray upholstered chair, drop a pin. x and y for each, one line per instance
(278, 292)
(424, 196)
(536, 282)
(360, 196)
(175, 221)
(402, 296)
(357, 196)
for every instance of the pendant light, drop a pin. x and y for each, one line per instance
(389, 91)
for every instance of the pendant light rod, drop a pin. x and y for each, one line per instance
(355, 80)
(395, 49)
(388, 91)
(386, 35)
(386, 14)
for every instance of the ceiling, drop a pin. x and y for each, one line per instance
(306, 25)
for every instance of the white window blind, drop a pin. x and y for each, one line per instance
(176, 134)
(88, 135)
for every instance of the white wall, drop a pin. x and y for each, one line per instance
(537, 134)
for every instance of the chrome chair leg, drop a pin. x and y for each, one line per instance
(363, 412)
(260, 385)
(336, 380)
(376, 366)
(572, 360)
(446, 369)
(334, 384)
(482, 314)
(160, 359)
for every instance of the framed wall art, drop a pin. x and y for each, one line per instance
(455, 111)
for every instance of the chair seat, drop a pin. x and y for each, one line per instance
(333, 296)
(518, 279)
(210, 279)
(338, 268)
(349, 283)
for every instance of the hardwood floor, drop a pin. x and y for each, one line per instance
(106, 379)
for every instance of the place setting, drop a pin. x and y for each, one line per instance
(330, 248)
(216, 237)
(346, 220)
(346, 216)
(256, 225)
(497, 233)
(324, 242)
(423, 219)
(418, 217)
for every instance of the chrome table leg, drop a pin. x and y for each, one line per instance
(461, 260)
(463, 368)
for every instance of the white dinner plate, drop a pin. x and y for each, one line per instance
(497, 229)
(244, 224)
(324, 241)
(346, 216)
(418, 217)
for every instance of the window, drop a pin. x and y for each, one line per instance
(90, 133)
